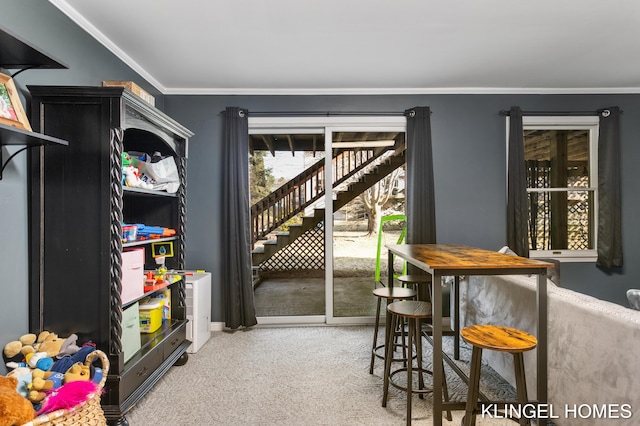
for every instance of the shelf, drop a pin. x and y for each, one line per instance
(147, 192)
(149, 241)
(10, 135)
(16, 53)
(149, 293)
(149, 339)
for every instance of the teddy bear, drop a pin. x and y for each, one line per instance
(16, 350)
(49, 342)
(14, 409)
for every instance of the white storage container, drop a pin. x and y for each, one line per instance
(198, 298)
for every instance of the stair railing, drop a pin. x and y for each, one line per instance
(303, 190)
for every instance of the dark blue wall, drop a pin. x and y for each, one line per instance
(469, 148)
(469, 154)
(44, 26)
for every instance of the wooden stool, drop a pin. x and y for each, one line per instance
(420, 283)
(389, 294)
(414, 312)
(502, 339)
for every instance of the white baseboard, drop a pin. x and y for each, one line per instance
(217, 326)
(308, 320)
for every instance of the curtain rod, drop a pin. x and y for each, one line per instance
(320, 113)
(545, 113)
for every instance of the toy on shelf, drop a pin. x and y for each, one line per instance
(161, 277)
(149, 232)
(129, 233)
(131, 175)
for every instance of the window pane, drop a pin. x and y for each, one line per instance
(561, 220)
(557, 158)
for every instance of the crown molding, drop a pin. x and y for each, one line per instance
(83, 23)
(407, 91)
(88, 27)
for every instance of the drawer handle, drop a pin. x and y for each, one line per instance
(143, 372)
(173, 343)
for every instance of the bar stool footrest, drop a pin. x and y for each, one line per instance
(395, 345)
(414, 389)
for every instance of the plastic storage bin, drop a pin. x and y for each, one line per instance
(150, 316)
(129, 233)
(130, 331)
(132, 275)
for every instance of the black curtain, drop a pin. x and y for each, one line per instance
(609, 216)
(237, 286)
(420, 199)
(517, 210)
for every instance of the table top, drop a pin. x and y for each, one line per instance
(460, 259)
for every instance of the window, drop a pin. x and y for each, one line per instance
(561, 167)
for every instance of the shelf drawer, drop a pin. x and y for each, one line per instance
(140, 371)
(174, 340)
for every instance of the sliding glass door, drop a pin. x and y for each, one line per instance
(328, 181)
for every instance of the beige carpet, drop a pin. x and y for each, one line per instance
(291, 376)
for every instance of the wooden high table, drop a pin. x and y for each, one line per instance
(441, 260)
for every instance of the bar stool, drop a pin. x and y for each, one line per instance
(502, 339)
(414, 312)
(417, 281)
(389, 294)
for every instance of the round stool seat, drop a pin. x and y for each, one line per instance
(414, 279)
(410, 309)
(498, 338)
(389, 294)
(394, 293)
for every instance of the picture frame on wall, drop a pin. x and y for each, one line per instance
(11, 110)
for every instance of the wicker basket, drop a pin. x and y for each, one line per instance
(86, 413)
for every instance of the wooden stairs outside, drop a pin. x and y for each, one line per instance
(270, 247)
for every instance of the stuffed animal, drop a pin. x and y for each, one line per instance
(65, 363)
(77, 372)
(69, 346)
(132, 178)
(49, 343)
(39, 360)
(14, 409)
(68, 396)
(23, 374)
(41, 382)
(16, 350)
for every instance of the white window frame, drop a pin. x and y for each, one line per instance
(591, 124)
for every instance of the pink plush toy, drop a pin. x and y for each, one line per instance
(68, 396)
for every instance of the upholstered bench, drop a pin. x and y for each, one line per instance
(593, 345)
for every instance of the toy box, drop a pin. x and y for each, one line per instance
(150, 316)
(132, 275)
(130, 331)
